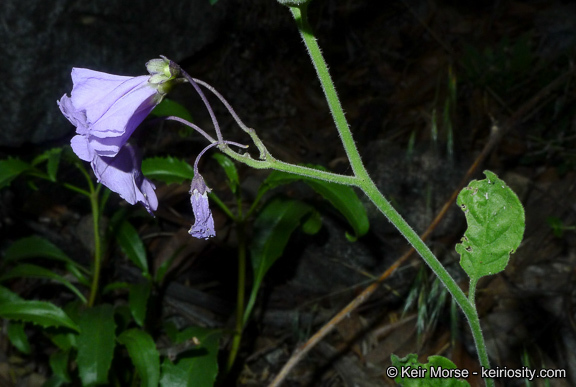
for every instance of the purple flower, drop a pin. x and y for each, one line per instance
(122, 175)
(203, 222)
(106, 109)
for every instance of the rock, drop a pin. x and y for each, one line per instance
(43, 40)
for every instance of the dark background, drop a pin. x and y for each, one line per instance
(392, 63)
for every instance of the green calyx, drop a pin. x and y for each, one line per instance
(162, 71)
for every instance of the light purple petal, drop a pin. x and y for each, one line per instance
(95, 91)
(77, 118)
(107, 108)
(82, 148)
(203, 222)
(122, 175)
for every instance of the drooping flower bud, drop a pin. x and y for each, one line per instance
(203, 222)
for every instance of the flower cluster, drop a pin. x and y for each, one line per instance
(106, 109)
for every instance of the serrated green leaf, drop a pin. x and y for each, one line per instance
(197, 367)
(37, 312)
(138, 301)
(411, 373)
(130, 243)
(18, 337)
(26, 270)
(8, 296)
(10, 169)
(167, 169)
(272, 230)
(96, 343)
(342, 197)
(230, 169)
(496, 224)
(144, 355)
(38, 247)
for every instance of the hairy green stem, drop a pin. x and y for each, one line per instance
(362, 180)
(300, 15)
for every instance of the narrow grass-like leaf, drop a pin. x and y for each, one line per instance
(10, 169)
(496, 223)
(96, 343)
(230, 169)
(18, 337)
(197, 367)
(424, 375)
(272, 230)
(167, 169)
(138, 300)
(38, 312)
(26, 270)
(144, 355)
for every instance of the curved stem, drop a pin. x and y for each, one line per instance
(206, 103)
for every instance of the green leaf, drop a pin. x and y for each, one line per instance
(38, 247)
(197, 367)
(26, 270)
(169, 107)
(62, 338)
(313, 223)
(496, 223)
(38, 312)
(557, 226)
(8, 296)
(138, 300)
(130, 242)
(52, 156)
(144, 355)
(10, 169)
(95, 344)
(342, 197)
(272, 230)
(436, 373)
(18, 336)
(167, 169)
(59, 365)
(230, 169)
